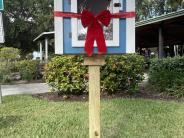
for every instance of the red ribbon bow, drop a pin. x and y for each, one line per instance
(94, 24)
(95, 30)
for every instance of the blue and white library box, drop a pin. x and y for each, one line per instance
(70, 34)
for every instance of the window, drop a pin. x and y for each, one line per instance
(111, 32)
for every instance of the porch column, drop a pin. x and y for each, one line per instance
(176, 50)
(41, 52)
(161, 43)
(46, 50)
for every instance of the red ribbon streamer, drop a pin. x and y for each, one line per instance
(67, 14)
(94, 24)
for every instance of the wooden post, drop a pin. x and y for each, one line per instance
(94, 64)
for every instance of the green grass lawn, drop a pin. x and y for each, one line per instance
(26, 117)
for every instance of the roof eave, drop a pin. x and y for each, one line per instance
(41, 35)
(161, 18)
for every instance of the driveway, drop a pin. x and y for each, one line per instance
(31, 88)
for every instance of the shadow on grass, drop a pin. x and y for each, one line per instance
(7, 121)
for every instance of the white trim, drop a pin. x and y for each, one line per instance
(58, 23)
(130, 28)
(79, 43)
(41, 35)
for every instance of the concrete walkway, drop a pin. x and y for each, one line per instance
(31, 88)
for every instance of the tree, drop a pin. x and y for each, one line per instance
(144, 9)
(174, 5)
(151, 8)
(24, 20)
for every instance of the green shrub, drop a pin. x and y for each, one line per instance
(29, 69)
(9, 54)
(10, 66)
(67, 74)
(167, 75)
(8, 59)
(122, 72)
(5, 73)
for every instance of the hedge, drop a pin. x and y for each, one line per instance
(8, 59)
(67, 74)
(167, 75)
(122, 72)
(29, 69)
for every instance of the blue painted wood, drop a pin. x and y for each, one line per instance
(1, 5)
(68, 49)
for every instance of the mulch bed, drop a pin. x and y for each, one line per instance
(55, 96)
(145, 92)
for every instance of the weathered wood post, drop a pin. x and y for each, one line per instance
(2, 40)
(0, 94)
(94, 64)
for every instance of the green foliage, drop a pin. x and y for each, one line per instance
(6, 69)
(67, 74)
(5, 73)
(9, 63)
(167, 75)
(8, 59)
(29, 69)
(151, 8)
(122, 72)
(9, 54)
(24, 20)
